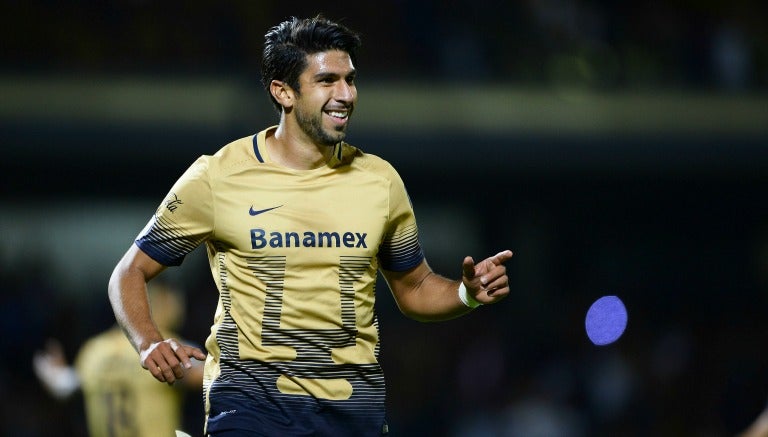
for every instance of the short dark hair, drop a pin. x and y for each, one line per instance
(287, 45)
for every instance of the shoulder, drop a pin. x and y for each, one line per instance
(372, 163)
(232, 155)
(236, 148)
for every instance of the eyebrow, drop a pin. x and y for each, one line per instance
(331, 75)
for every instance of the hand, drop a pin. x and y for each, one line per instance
(51, 368)
(167, 360)
(487, 281)
(53, 354)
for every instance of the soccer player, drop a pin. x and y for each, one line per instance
(121, 398)
(296, 223)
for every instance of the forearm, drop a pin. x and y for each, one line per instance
(434, 299)
(423, 295)
(130, 303)
(166, 359)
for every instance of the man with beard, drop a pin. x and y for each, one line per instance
(296, 223)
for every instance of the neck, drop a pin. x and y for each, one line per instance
(291, 148)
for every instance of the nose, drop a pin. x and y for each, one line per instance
(345, 92)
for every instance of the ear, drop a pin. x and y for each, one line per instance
(282, 92)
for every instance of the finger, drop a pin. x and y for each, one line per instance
(492, 295)
(498, 287)
(181, 353)
(154, 369)
(468, 268)
(501, 257)
(497, 294)
(161, 361)
(492, 273)
(168, 374)
(196, 353)
(174, 366)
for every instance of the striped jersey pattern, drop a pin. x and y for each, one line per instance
(294, 343)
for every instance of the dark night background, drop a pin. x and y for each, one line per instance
(618, 148)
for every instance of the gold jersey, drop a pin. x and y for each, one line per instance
(121, 398)
(295, 254)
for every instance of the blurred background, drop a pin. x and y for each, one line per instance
(618, 148)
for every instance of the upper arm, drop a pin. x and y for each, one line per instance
(132, 273)
(400, 283)
(183, 220)
(136, 262)
(400, 251)
(403, 284)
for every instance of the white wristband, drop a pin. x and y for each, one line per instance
(465, 297)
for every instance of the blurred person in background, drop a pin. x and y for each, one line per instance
(758, 428)
(121, 399)
(297, 224)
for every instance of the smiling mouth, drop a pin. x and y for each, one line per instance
(339, 115)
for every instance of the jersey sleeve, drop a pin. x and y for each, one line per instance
(184, 218)
(400, 249)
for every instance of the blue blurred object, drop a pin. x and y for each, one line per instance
(606, 320)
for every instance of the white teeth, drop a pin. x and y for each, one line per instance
(337, 114)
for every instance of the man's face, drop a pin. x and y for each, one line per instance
(326, 97)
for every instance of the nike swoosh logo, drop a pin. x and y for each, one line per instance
(260, 211)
